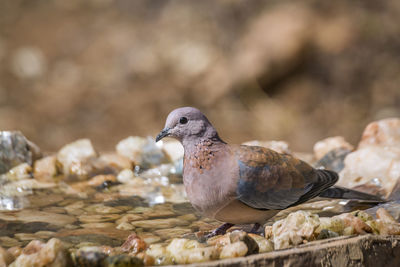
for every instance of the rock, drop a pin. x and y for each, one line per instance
(172, 232)
(97, 225)
(173, 149)
(241, 236)
(333, 160)
(325, 233)
(125, 226)
(382, 133)
(385, 216)
(130, 218)
(159, 254)
(123, 261)
(6, 241)
(355, 224)
(88, 257)
(99, 180)
(185, 251)
(264, 245)
(45, 169)
(16, 149)
(5, 257)
(20, 172)
(373, 169)
(96, 218)
(298, 226)
(133, 244)
(102, 209)
(237, 249)
(142, 151)
(278, 146)
(74, 159)
(115, 162)
(149, 238)
(321, 148)
(37, 253)
(38, 216)
(125, 176)
(159, 223)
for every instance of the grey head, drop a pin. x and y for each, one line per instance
(188, 125)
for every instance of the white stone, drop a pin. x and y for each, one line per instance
(131, 147)
(383, 133)
(298, 226)
(324, 146)
(125, 176)
(74, 158)
(376, 165)
(173, 149)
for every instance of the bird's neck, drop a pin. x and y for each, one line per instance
(192, 146)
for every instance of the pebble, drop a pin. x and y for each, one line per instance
(173, 149)
(101, 209)
(149, 238)
(237, 249)
(5, 257)
(125, 226)
(74, 158)
(6, 241)
(130, 218)
(384, 133)
(374, 169)
(125, 176)
(133, 244)
(95, 218)
(115, 161)
(172, 232)
(97, 225)
(16, 149)
(159, 223)
(45, 169)
(19, 172)
(38, 216)
(298, 226)
(37, 253)
(321, 148)
(184, 251)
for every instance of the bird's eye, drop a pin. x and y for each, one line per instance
(183, 120)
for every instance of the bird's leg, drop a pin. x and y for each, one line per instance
(220, 230)
(255, 229)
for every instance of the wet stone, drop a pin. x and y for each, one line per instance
(172, 232)
(89, 258)
(159, 223)
(45, 169)
(123, 261)
(97, 225)
(98, 218)
(16, 149)
(8, 242)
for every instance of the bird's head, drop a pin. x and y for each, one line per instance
(187, 124)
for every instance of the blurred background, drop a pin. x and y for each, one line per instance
(107, 69)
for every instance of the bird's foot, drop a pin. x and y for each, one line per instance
(220, 230)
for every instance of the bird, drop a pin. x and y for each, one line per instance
(240, 184)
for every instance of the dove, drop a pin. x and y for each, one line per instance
(239, 184)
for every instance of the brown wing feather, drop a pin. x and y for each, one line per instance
(270, 180)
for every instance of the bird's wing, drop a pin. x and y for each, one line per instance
(270, 180)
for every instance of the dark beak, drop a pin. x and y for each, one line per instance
(162, 134)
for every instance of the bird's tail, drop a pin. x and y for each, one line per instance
(345, 193)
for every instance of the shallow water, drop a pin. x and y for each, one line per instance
(101, 214)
